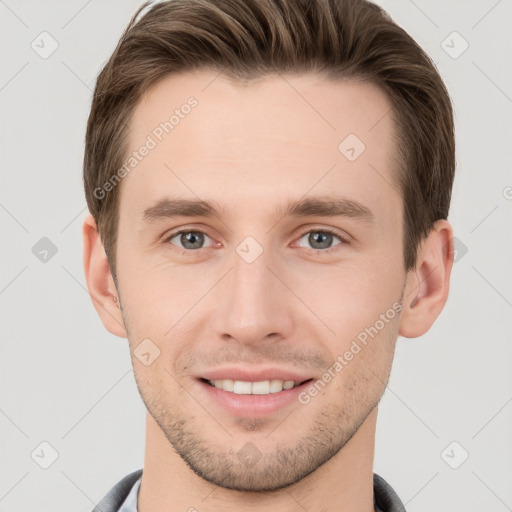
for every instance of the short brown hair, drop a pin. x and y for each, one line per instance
(247, 39)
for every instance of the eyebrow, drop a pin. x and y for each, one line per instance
(322, 206)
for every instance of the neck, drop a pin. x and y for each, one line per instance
(342, 484)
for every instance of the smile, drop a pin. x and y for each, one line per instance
(264, 387)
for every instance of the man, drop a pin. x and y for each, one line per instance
(268, 183)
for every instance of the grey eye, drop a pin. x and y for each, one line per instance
(319, 239)
(190, 240)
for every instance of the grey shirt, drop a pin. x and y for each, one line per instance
(123, 496)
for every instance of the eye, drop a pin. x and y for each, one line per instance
(322, 239)
(189, 239)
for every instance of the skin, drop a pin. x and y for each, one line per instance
(251, 149)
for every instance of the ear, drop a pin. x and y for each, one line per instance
(100, 282)
(427, 285)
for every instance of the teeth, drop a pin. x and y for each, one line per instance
(242, 388)
(260, 388)
(276, 386)
(264, 387)
(226, 385)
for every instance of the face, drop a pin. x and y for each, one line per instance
(290, 270)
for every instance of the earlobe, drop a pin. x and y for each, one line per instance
(428, 284)
(100, 282)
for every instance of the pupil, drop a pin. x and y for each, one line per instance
(189, 239)
(321, 238)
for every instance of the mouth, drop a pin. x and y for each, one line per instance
(251, 399)
(263, 387)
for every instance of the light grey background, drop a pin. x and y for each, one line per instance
(66, 381)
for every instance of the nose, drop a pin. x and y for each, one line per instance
(254, 304)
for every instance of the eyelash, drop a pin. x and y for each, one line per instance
(329, 231)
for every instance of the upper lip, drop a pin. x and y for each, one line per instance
(254, 375)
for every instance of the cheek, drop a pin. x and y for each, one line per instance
(361, 305)
(156, 296)
(353, 295)
(361, 367)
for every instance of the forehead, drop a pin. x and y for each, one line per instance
(279, 134)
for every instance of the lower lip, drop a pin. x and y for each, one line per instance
(253, 405)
